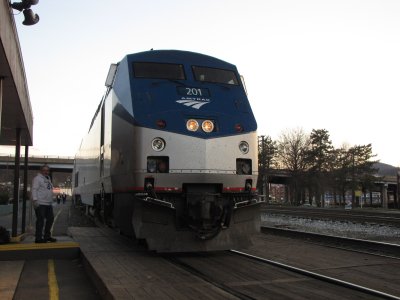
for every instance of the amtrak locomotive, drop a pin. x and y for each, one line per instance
(171, 153)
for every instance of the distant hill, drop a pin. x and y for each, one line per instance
(385, 169)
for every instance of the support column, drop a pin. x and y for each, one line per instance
(25, 192)
(384, 195)
(287, 194)
(1, 97)
(14, 232)
(397, 202)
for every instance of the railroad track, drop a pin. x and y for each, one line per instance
(356, 245)
(320, 277)
(203, 268)
(325, 214)
(192, 270)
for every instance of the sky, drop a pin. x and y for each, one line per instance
(310, 64)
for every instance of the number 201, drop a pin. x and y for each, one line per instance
(193, 92)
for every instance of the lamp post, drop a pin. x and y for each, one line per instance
(262, 162)
(397, 203)
(68, 184)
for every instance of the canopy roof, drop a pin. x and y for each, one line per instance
(15, 109)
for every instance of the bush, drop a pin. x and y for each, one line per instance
(4, 236)
(4, 198)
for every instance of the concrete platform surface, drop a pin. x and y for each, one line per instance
(10, 272)
(122, 269)
(24, 265)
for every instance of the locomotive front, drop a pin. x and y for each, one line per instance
(196, 141)
(178, 153)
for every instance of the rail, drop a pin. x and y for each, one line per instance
(321, 214)
(359, 245)
(318, 276)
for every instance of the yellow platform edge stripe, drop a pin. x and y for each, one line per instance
(52, 281)
(34, 246)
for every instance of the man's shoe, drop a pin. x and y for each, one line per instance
(51, 240)
(40, 241)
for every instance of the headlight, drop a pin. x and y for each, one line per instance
(243, 166)
(208, 126)
(244, 147)
(157, 164)
(158, 144)
(192, 125)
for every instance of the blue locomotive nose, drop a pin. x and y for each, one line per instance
(206, 89)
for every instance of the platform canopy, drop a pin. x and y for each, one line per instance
(15, 106)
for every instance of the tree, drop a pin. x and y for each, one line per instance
(267, 150)
(292, 152)
(319, 158)
(362, 169)
(341, 171)
(354, 169)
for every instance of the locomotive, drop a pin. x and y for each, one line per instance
(171, 153)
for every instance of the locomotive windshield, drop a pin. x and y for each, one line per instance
(215, 75)
(158, 71)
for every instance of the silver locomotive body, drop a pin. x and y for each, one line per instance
(177, 192)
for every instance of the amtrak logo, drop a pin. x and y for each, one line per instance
(193, 102)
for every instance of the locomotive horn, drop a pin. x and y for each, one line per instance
(30, 17)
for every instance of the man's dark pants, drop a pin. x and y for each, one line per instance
(44, 212)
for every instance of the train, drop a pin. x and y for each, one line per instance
(171, 156)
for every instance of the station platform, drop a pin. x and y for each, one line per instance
(115, 266)
(13, 258)
(25, 265)
(10, 272)
(122, 269)
(24, 245)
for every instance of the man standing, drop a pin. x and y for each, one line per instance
(42, 196)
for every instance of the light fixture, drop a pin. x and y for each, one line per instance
(244, 147)
(161, 124)
(238, 127)
(158, 144)
(30, 17)
(207, 126)
(192, 125)
(243, 166)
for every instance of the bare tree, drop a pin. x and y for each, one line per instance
(292, 152)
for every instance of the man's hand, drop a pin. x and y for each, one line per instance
(35, 204)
